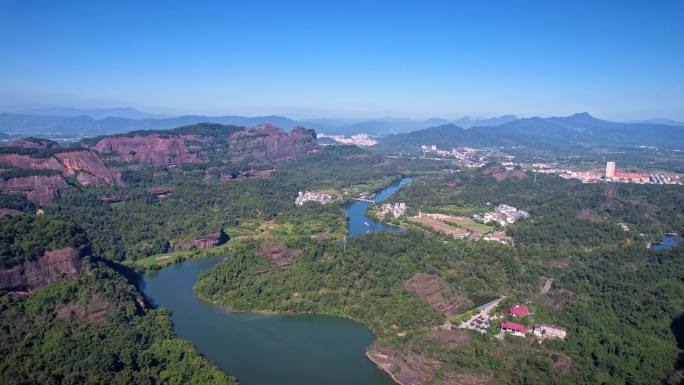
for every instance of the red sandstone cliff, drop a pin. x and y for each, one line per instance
(38, 188)
(52, 266)
(266, 142)
(86, 165)
(154, 148)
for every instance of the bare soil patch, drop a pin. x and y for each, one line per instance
(436, 292)
(441, 227)
(454, 338)
(280, 255)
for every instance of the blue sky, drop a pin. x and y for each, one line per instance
(615, 59)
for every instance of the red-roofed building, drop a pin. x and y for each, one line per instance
(514, 328)
(519, 311)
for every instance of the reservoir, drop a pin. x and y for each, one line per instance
(261, 349)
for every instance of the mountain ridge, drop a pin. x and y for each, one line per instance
(578, 129)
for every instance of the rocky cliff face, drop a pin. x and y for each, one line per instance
(27, 161)
(406, 368)
(52, 266)
(412, 367)
(86, 165)
(37, 188)
(266, 142)
(153, 148)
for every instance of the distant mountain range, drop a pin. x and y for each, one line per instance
(49, 126)
(669, 122)
(66, 122)
(468, 122)
(580, 129)
(95, 113)
(389, 125)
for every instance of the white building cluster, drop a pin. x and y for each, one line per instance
(358, 139)
(469, 157)
(549, 331)
(313, 196)
(394, 209)
(503, 214)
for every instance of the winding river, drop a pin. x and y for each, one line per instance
(263, 349)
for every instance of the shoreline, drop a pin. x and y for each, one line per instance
(229, 308)
(390, 374)
(274, 313)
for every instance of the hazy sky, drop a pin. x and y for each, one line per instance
(615, 59)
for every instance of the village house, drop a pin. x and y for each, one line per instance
(514, 328)
(519, 311)
(499, 236)
(396, 209)
(549, 331)
(503, 214)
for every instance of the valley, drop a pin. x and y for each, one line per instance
(215, 212)
(342, 193)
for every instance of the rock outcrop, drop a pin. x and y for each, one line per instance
(153, 148)
(436, 292)
(161, 191)
(29, 162)
(406, 368)
(205, 241)
(262, 144)
(52, 266)
(86, 166)
(42, 189)
(266, 142)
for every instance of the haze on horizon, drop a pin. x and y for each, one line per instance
(619, 60)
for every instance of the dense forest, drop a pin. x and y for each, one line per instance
(26, 237)
(94, 330)
(142, 224)
(618, 300)
(574, 236)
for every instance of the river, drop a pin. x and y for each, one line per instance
(261, 349)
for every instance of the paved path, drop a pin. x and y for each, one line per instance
(482, 315)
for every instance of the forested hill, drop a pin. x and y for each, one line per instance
(91, 326)
(575, 130)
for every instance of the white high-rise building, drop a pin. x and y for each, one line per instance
(610, 170)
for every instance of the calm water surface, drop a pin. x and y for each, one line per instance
(262, 349)
(668, 241)
(360, 224)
